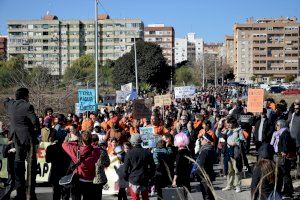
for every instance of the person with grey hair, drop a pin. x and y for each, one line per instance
(284, 148)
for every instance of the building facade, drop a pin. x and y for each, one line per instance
(164, 37)
(55, 44)
(3, 47)
(189, 48)
(229, 51)
(266, 49)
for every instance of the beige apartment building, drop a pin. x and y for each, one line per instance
(266, 49)
(55, 44)
(164, 37)
(229, 49)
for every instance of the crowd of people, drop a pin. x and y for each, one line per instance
(212, 127)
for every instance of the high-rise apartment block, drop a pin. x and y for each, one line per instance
(229, 50)
(3, 47)
(164, 37)
(55, 44)
(189, 48)
(266, 48)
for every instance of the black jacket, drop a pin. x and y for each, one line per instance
(206, 159)
(266, 131)
(23, 121)
(139, 166)
(286, 143)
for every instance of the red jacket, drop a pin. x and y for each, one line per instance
(86, 170)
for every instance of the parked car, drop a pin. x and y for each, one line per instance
(291, 91)
(276, 89)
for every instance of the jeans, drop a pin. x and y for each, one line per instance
(60, 192)
(86, 190)
(206, 191)
(135, 191)
(122, 195)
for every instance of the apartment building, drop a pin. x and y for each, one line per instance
(55, 44)
(189, 48)
(164, 37)
(266, 49)
(229, 50)
(3, 47)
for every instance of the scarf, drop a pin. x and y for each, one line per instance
(275, 139)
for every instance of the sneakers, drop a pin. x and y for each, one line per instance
(227, 188)
(238, 190)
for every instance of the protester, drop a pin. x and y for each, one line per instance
(265, 175)
(139, 167)
(24, 129)
(206, 159)
(183, 165)
(86, 170)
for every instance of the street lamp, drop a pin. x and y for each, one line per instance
(203, 76)
(96, 50)
(135, 64)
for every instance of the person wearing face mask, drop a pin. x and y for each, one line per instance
(294, 123)
(262, 132)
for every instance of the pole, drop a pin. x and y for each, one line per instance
(222, 71)
(216, 72)
(96, 51)
(171, 79)
(135, 66)
(203, 77)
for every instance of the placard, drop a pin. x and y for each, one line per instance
(121, 96)
(87, 100)
(184, 92)
(163, 100)
(149, 140)
(109, 99)
(112, 185)
(255, 100)
(43, 168)
(140, 110)
(3, 161)
(127, 87)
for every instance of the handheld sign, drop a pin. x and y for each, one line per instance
(109, 99)
(121, 96)
(127, 87)
(255, 100)
(140, 110)
(163, 100)
(87, 100)
(184, 92)
(149, 140)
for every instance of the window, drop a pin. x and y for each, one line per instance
(45, 26)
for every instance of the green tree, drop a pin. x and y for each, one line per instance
(152, 67)
(184, 76)
(289, 78)
(81, 70)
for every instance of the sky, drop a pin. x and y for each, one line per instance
(209, 19)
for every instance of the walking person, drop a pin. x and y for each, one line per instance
(139, 167)
(206, 159)
(24, 128)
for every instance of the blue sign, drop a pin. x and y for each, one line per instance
(87, 100)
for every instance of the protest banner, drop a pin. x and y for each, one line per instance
(163, 100)
(109, 99)
(43, 168)
(112, 185)
(140, 109)
(3, 161)
(87, 100)
(184, 92)
(127, 87)
(255, 100)
(121, 96)
(149, 140)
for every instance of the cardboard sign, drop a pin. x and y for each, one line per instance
(184, 92)
(255, 100)
(127, 87)
(87, 100)
(246, 119)
(3, 161)
(109, 99)
(149, 140)
(140, 109)
(163, 100)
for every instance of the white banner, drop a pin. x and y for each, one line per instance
(121, 96)
(127, 87)
(184, 92)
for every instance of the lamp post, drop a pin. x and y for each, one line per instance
(203, 71)
(216, 72)
(96, 50)
(135, 66)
